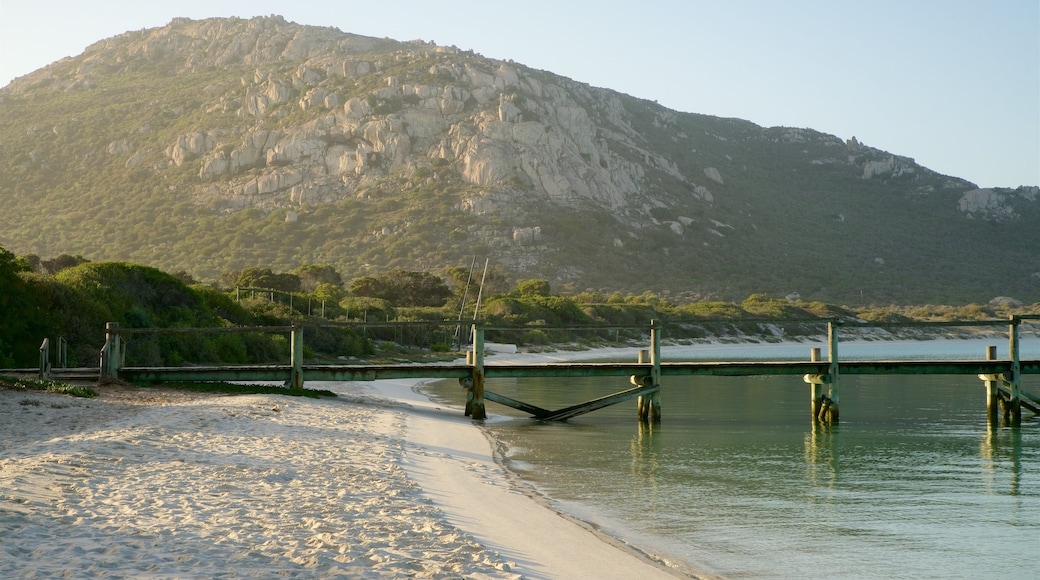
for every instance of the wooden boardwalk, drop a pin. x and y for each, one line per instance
(1001, 377)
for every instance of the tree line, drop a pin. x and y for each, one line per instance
(72, 297)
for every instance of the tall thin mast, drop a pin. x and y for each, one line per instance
(480, 291)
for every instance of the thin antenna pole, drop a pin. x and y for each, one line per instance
(465, 296)
(480, 291)
(469, 280)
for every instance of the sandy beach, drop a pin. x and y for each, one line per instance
(375, 483)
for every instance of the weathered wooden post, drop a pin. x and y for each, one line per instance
(655, 370)
(45, 359)
(815, 385)
(992, 389)
(832, 370)
(649, 405)
(112, 352)
(63, 353)
(296, 353)
(825, 408)
(1013, 407)
(643, 402)
(475, 404)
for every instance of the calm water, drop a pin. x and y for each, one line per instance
(736, 481)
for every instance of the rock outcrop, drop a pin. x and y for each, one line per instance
(998, 204)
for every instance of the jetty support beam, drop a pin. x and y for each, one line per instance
(831, 412)
(993, 393)
(536, 412)
(475, 386)
(825, 407)
(816, 383)
(1013, 408)
(590, 406)
(643, 402)
(649, 403)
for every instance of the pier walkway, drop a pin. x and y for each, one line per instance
(1001, 377)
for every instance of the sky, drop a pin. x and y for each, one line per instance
(954, 84)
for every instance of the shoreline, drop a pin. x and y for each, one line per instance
(381, 481)
(508, 500)
(377, 482)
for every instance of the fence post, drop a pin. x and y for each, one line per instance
(63, 353)
(112, 353)
(296, 350)
(45, 359)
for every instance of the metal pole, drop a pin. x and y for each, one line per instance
(462, 307)
(480, 291)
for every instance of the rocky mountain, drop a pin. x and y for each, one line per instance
(213, 145)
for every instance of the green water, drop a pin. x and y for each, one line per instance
(736, 480)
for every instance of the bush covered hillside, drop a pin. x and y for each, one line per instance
(224, 144)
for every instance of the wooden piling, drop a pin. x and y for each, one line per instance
(655, 371)
(475, 400)
(815, 386)
(643, 402)
(992, 389)
(831, 411)
(824, 408)
(1013, 408)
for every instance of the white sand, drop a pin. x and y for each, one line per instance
(378, 482)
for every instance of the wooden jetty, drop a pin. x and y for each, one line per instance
(1001, 377)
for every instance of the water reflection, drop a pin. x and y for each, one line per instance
(821, 455)
(1001, 452)
(646, 450)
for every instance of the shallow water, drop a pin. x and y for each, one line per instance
(736, 480)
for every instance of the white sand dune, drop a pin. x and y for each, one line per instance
(376, 483)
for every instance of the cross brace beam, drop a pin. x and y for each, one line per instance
(574, 410)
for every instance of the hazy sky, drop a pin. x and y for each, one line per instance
(955, 84)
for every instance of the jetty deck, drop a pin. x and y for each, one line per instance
(1000, 376)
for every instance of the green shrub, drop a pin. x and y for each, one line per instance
(534, 337)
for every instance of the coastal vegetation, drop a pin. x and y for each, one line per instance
(72, 298)
(29, 384)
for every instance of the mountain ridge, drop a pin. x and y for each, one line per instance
(232, 143)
